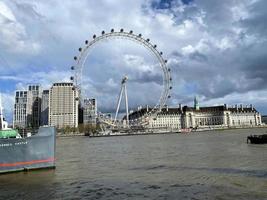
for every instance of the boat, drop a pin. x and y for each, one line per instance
(257, 139)
(186, 130)
(20, 154)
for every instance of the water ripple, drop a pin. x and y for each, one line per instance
(252, 173)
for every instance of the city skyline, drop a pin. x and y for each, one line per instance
(215, 49)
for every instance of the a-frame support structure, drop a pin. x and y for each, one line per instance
(123, 91)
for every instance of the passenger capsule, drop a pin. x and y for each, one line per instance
(121, 30)
(147, 39)
(94, 36)
(71, 78)
(80, 49)
(169, 96)
(155, 46)
(75, 57)
(161, 53)
(72, 68)
(112, 30)
(140, 35)
(169, 69)
(165, 61)
(86, 41)
(170, 87)
(103, 32)
(131, 31)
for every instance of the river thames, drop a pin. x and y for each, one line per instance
(208, 165)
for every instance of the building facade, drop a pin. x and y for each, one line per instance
(34, 106)
(27, 108)
(44, 107)
(90, 111)
(20, 109)
(220, 116)
(200, 117)
(63, 105)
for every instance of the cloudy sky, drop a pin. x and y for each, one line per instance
(216, 49)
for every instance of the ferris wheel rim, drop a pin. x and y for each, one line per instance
(84, 53)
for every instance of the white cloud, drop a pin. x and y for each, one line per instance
(13, 34)
(6, 12)
(7, 103)
(188, 50)
(205, 43)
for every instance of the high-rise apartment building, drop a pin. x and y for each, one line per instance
(90, 111)
(27, 108)
(44, 107)
(63, 105)
(20, 109)
(34, 108)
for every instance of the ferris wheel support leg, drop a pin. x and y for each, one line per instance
(118, 104)
(126, 105)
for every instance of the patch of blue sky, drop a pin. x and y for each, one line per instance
(162, 4)
(187, 1)
(167, 4)
(7, 85)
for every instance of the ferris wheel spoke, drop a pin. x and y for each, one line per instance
(84, 52)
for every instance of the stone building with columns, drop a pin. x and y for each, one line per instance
(201, 117)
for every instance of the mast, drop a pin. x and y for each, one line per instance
(1, 114)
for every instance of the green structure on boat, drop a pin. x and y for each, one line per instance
(6, 132)
(10, 133)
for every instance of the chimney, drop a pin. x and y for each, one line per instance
(236, 107)
(167, 108)
(241, 106)
(226, 106)
(147, 108)
(180, 107)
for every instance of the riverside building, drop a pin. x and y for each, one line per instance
(63, 105)
(27, 108)
(34, 106)
(264, 119)
(20, 108)
(44, 107)
(201, 117)
(90, 111)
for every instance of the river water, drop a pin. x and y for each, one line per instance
(208, 165)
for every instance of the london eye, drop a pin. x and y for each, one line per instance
(83, 53)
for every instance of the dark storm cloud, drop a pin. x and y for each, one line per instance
(148, 77)
(198, 56)
(183, 99)
(256, 22)
(256, 68)
(232, 57)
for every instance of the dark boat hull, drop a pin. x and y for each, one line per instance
(257, 139)
(35, 152)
